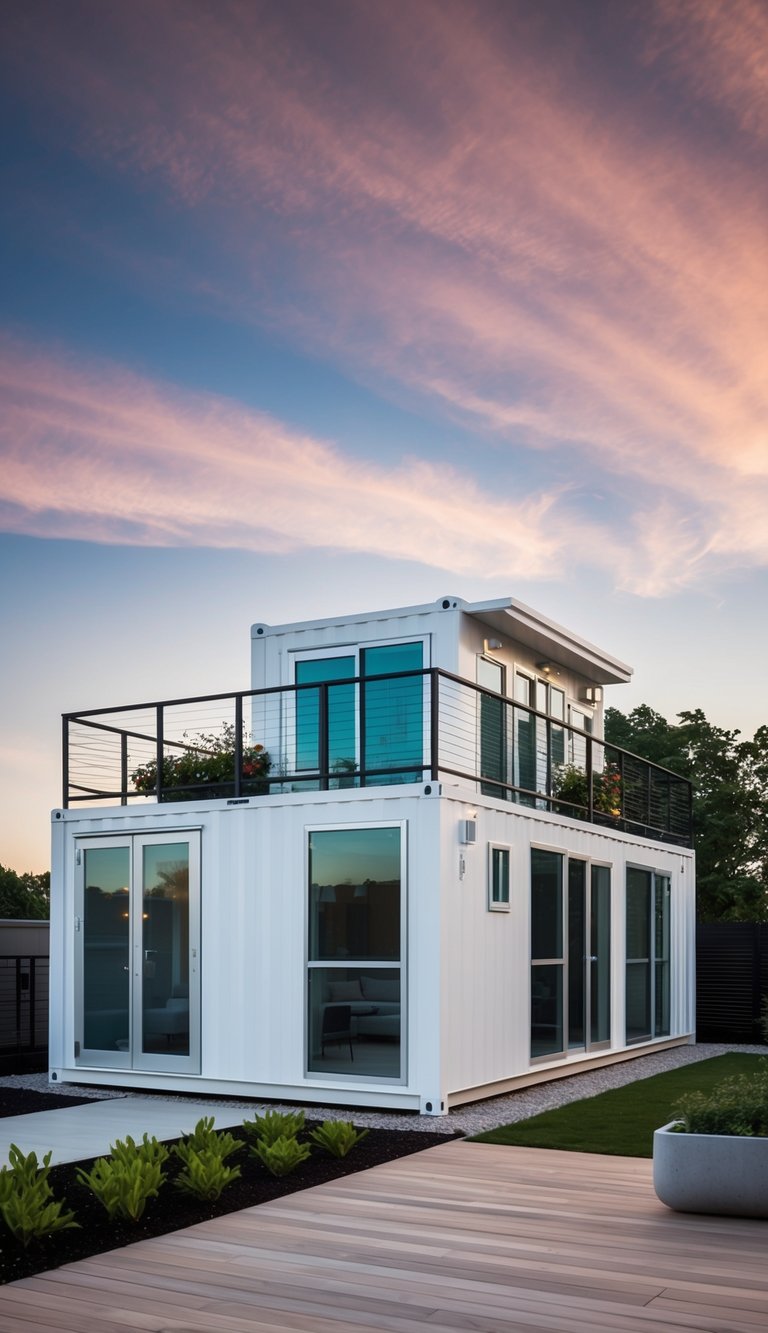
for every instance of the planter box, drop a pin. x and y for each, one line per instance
(711, 1173)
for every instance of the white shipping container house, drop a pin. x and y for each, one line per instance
(402, 870)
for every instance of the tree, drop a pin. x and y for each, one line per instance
(730, 803)
(24, 897)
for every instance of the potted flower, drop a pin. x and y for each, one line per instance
(713, 1158)
(204, 769)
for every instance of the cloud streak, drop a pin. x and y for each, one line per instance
(95, 453)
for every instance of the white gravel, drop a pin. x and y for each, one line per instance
(471, 1119)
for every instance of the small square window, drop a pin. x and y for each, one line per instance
(498, 879)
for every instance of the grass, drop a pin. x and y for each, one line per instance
(621, 1122)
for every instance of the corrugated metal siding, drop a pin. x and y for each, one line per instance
(731, 978)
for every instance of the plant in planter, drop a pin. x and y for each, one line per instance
(571, 785)
(714, 1157)
(205, 768)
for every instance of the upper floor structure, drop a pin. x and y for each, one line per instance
(490, 694)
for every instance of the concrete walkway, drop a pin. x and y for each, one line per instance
(78, 1132)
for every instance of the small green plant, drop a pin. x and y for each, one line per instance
(338, 1137)
(738, 1106)
(203, 1155)
(274, 1125)
(205, 1138)
(27, 1205)
(125, 1182)
(282, 1156)
(205, 1174)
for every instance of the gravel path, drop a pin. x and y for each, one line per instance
(470, 1119)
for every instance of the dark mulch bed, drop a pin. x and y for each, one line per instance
(24, 1101)
(172, 1210)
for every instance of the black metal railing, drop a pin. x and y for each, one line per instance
(371, 730)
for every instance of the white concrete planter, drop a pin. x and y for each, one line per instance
(711, 1173)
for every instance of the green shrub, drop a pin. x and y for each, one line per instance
(203, 1154)
(126, 1181)
(738, 1106)
(27, 1205)
(338, 1137)
(205, 1138)
(282, 1156)
(274, 1125)
(205, 1173)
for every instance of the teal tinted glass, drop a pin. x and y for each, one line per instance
(341, 714)
(393, 735)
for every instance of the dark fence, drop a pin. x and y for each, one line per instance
(23, 1013)
(731, 979)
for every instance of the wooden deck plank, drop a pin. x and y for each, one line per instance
(463, 1236)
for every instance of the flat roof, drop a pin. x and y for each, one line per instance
(504, 614)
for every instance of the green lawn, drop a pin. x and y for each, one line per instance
(621, 1121)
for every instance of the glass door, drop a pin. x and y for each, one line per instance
(375, 729)
(138, 953)
(570, 955)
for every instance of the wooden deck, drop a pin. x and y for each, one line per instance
(461, 1237)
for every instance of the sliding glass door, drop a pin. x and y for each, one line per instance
(375, 728)
(570, 955)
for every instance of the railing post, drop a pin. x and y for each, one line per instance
(238, 760)
(361, 712)
(434, 725)
(322, 736)
(159, 752)
(123, 769)
(590, 774)
(65, 761)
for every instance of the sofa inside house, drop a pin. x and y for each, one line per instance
(374, 1003)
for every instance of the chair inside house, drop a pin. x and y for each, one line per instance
(337, 1027)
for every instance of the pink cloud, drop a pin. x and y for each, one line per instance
(96, 453)
(556, 268)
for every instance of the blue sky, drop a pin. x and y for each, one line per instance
(308, 309)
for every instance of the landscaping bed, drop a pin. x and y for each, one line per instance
(622, 1121)
(24, 1101)
(172, 1210)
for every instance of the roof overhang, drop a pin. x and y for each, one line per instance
(550, 641)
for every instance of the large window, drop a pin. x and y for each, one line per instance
(355, 952)
(648, 955)
(376, 728)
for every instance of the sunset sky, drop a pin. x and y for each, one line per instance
(314, 306)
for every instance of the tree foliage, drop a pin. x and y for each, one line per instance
(24, 897)
(730, 802)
